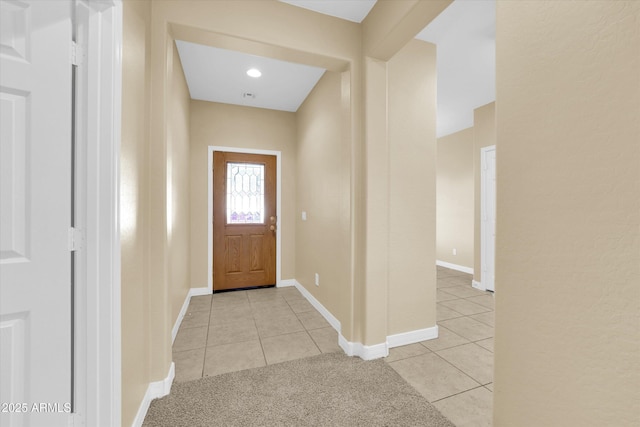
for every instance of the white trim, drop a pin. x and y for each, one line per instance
(183, 311)
(456, 267)
(335, 323)
(278, 155)
(412, 337)
(98, 314)
(478, 285)
(484, 233)
(155, 390)
(286, 283)
(365, 352)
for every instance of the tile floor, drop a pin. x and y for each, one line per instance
(247, 329)
(232, 331)
(455, 371)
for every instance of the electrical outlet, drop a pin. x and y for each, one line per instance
(455, 251)
(317, 279)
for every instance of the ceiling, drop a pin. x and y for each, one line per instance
(464, 34)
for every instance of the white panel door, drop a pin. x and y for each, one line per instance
(488, 225)
(35, 213)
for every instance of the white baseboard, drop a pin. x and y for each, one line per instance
(155, 390)
(286, 283)
(367, 352)
(193, 292)
(412, 337)
(335, 323)
(456, 267)
(478, 285)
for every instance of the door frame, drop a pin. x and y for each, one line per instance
(278, 154)
(97, 340)
(484, 234)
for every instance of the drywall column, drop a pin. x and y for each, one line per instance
(412, 188)
(567, 336)
(374, 326)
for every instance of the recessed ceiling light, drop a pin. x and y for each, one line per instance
(254, 72)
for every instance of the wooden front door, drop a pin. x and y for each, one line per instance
(244, 220)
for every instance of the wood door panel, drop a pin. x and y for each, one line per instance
(243, 253)
(256, 252)
(233, 254)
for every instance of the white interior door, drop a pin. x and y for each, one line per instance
(35, 191)
(488, 224)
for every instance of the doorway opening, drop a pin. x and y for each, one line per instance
(266, 221)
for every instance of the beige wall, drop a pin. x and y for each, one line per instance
(134, 210)
(240, 127)
(567, 335)
(412, 188)
(484, 135)
(178, 178)
(455, 199)
(323, 241)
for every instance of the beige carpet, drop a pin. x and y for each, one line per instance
(327, 390)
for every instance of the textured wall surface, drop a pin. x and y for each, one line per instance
(323, 241)
(567, 340)
(133, 206)
(455, 199)
(412, 188)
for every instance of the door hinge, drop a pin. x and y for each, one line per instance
(76, 239)
(77, 54)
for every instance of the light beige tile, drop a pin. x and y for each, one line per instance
(444, 313)
(190, 338)
(230, 298)
(221, 314)
(199, 303)
(488, 344)
(486, 318)
(233, 357)
(326, 339)
(290, 293)
(442, 295)
(189, 364)
(445, 283)
(433, 377)
(487, 300)
(472, 408)
(278, 311)
(289, 347)
(264, 295)
(458, 281)
(446, 339)
(405, 351)
(468, 328)
(194, 319)
(489, 387)
(464, 291)
(473, 360)
(300, 306)
(228, 333)
(465, 307)
(266, 307)
(313, 320)
(279, 326)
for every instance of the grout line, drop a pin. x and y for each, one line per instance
(455, 394)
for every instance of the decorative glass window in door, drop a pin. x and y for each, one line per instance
(245, 193)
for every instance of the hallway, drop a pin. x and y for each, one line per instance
(247, 329)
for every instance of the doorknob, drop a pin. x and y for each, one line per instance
(272, 228)
(273, 219)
